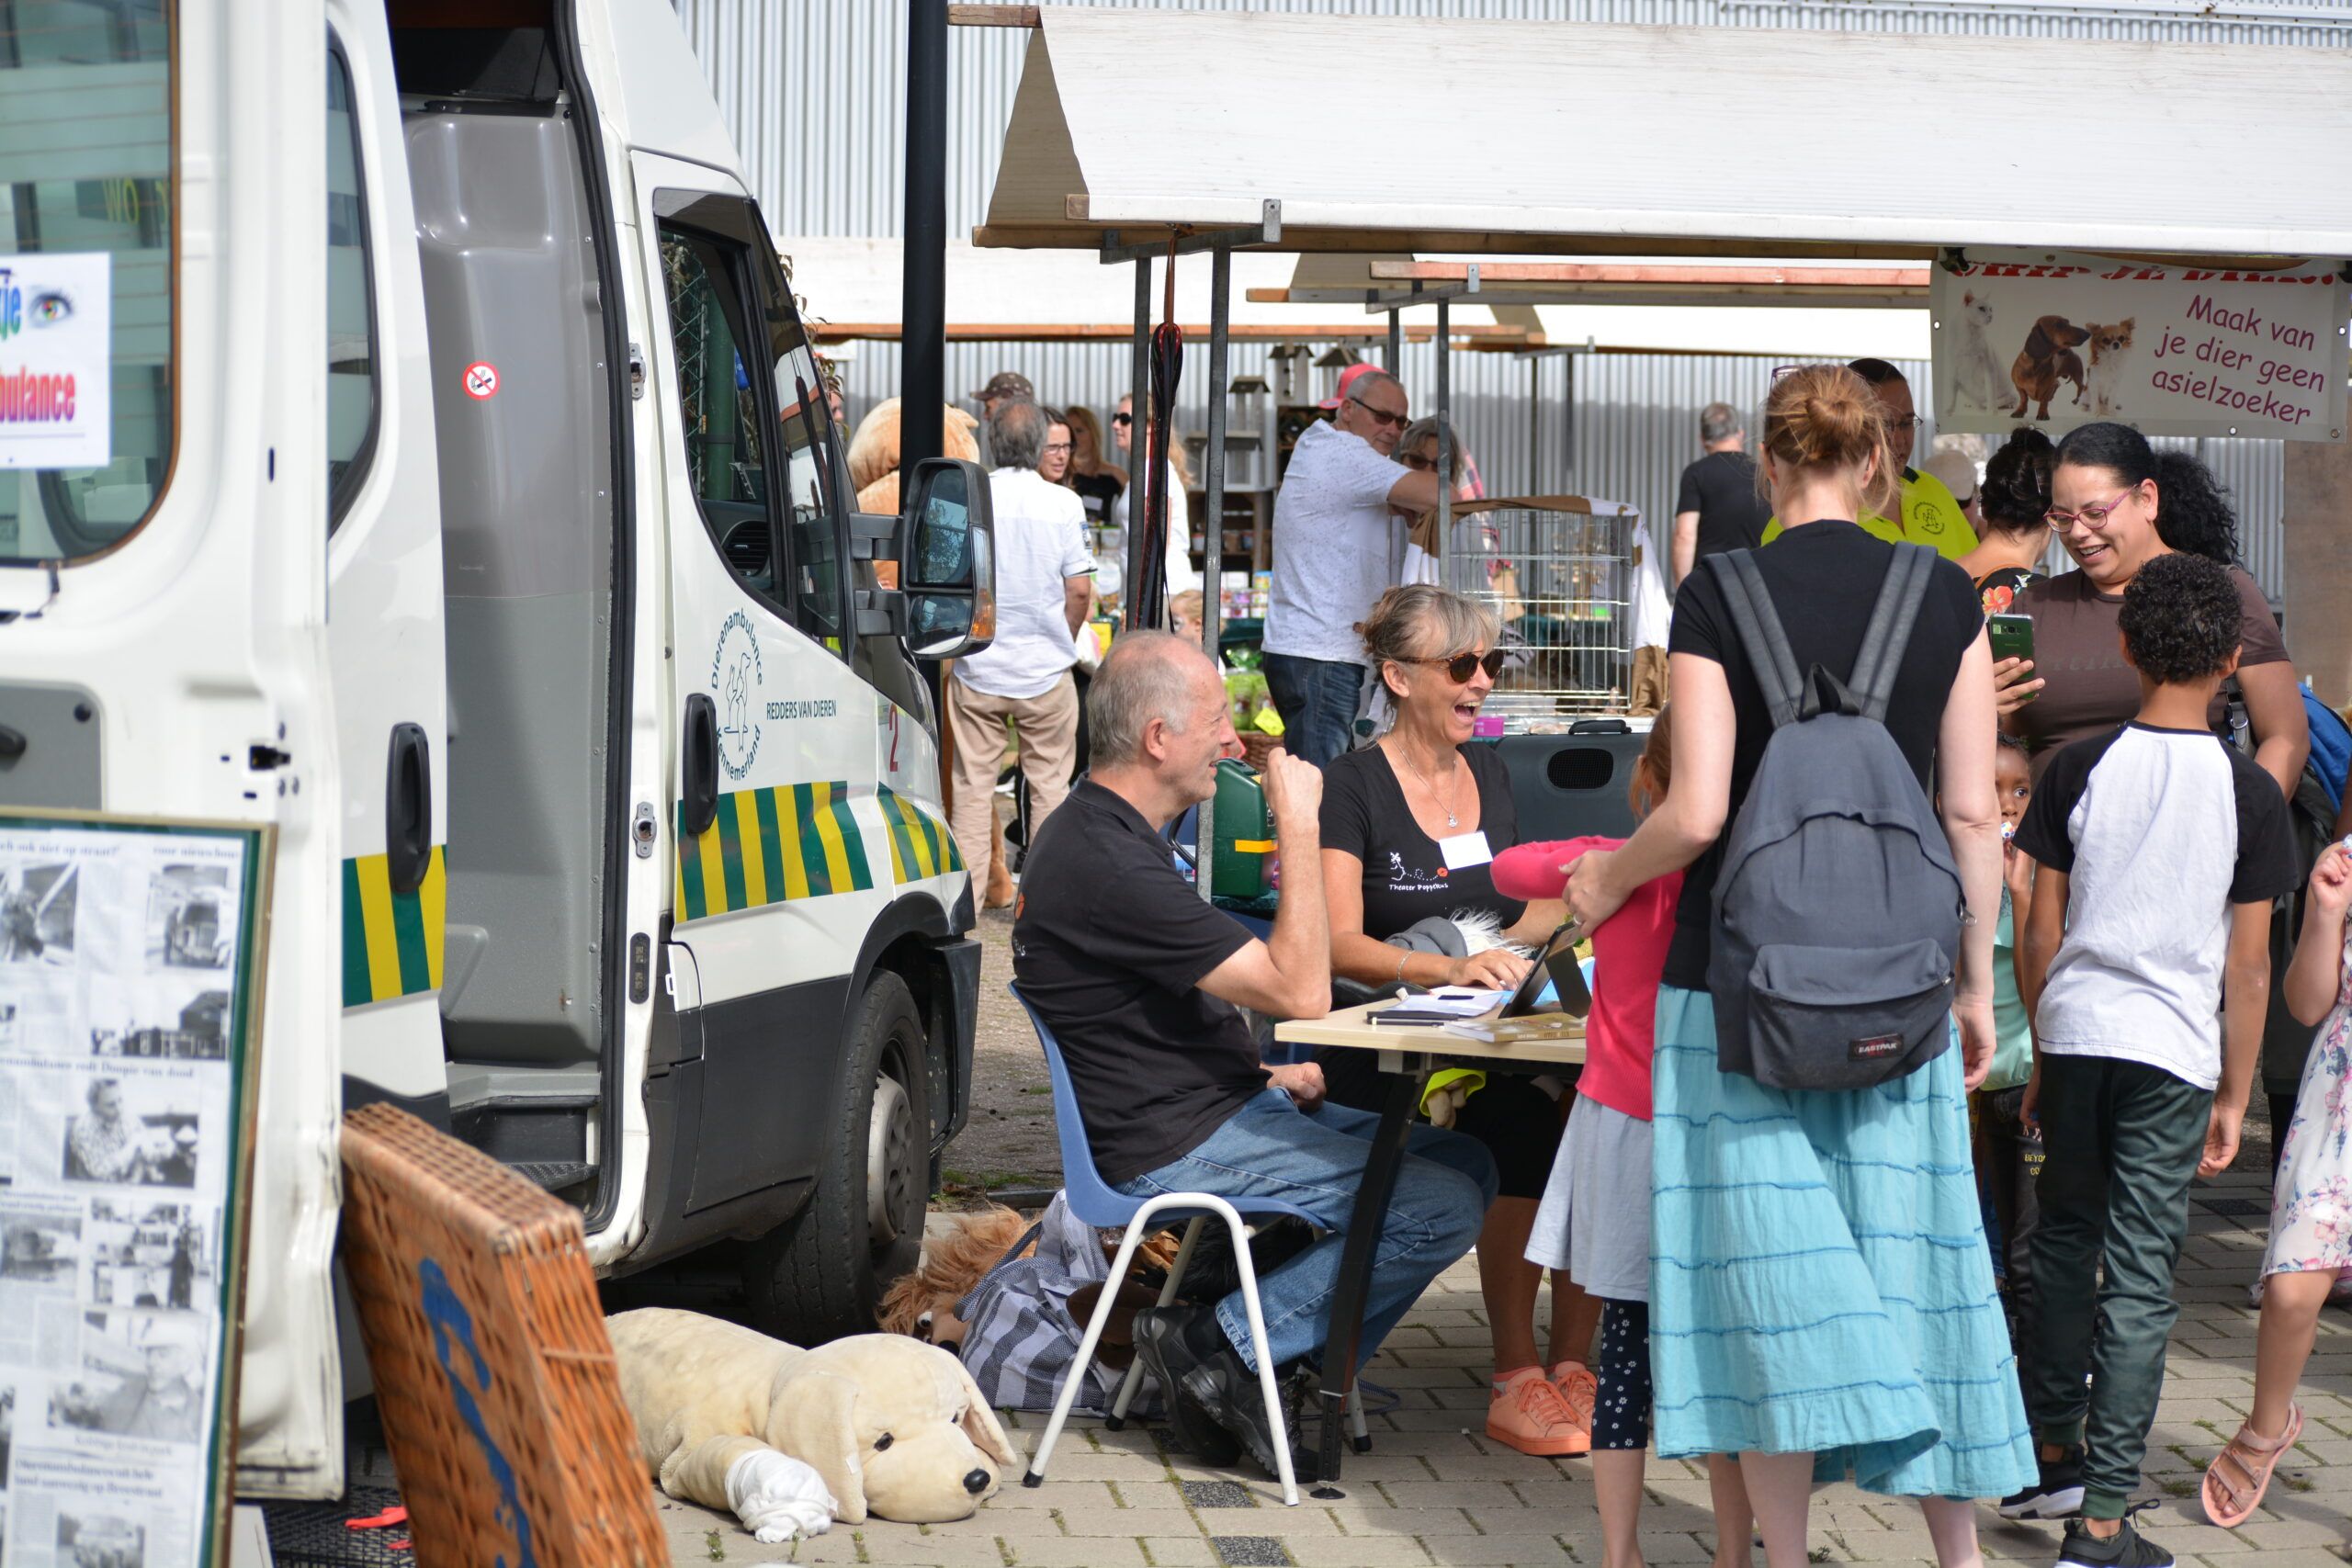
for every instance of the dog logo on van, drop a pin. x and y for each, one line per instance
(735, 682)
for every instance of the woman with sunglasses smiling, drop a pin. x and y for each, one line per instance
(2117, 504)
(1411, 826)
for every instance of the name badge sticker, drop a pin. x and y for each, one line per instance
(1465, 850)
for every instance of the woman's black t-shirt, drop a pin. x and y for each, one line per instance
(1404, 875)
(1823, 579)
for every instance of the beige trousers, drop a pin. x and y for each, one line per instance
(977, 723)
(1649, 681)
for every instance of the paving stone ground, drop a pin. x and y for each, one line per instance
(1436, 1492)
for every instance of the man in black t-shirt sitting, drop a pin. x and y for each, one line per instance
(1143, 985)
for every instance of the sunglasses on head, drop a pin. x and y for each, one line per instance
(1460, 666)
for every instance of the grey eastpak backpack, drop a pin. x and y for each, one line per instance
(1837, 907)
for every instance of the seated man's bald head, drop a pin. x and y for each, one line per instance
(1147, 676)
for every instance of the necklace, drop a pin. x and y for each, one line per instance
(1452, 820)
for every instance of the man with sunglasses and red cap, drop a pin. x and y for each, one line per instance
(1338, 545)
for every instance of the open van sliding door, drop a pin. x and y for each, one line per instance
(384, 599)
(162, 601)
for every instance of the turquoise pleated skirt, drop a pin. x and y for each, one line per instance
(1819, 1281)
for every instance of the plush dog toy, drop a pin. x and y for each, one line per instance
(894, 1427)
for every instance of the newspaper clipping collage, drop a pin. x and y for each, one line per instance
(118, 952)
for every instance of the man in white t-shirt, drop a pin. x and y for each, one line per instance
(1337, 548)
(1022, 679)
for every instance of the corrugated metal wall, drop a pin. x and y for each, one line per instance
(813, 91)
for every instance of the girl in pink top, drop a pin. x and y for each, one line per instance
(1594, 1222)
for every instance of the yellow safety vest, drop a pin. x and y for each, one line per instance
(1931, 515)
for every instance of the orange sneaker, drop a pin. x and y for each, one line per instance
(1529, 1413)
(1579, 1388)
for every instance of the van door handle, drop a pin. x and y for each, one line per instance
(699, 798)
(408, 809)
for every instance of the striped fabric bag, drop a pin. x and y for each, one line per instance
(1021, 1331)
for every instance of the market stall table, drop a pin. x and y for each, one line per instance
(1404, 1055)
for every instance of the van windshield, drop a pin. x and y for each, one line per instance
(86, 250)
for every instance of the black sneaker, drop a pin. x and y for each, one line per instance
(2127, 1548)
(1160, 1345)
(2056, 1494)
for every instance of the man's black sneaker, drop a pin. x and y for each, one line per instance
(1167, 1354)
(2127, 1548)
(2056, 1494)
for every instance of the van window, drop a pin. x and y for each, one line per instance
(351, 315)
(718, 406)
(752, 406)
(86, 234)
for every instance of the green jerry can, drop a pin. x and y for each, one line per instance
(1243, 858)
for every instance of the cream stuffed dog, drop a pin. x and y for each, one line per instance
(894, 1427)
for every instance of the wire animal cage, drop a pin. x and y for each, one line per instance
(1558, 572)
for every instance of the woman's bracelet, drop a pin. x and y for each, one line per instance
(1400, 964)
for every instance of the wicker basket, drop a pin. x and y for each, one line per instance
(1257, 746)
(496, 1382)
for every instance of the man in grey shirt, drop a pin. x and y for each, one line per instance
(1336, 545)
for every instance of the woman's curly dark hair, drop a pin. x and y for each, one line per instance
(2181, 619)
(2192, 512)
(2016, 493)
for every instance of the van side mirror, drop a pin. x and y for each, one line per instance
(947, 559)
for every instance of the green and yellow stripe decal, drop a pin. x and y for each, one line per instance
(391, 941)
(921, 845)
(769, 845)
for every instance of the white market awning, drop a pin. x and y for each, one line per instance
(1424, 134)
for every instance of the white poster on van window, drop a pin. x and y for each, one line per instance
(2059, 340)
(122, 953)
(56, 369)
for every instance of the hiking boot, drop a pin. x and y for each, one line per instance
(1162, 1343)
(2127, 1548)
(1530, 1414)
(2055, 1494)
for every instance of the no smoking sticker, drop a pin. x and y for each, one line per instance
(481, 380)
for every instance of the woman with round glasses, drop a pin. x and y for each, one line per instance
(1411, 826)
(2116, 503)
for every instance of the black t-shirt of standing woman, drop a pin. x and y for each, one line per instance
(1823, 579)
(1405, 874)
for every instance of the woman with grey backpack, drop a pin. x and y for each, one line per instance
(1821, 1301)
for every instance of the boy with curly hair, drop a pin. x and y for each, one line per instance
(2160, 850)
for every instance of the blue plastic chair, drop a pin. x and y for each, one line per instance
(1095, 1203)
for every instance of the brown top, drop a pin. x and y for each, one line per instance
(2078, 651)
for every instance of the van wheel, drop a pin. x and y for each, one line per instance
(823, 1276)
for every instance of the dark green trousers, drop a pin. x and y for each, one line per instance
(2121, 1144)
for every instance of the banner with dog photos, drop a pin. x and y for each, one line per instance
(2059, 340)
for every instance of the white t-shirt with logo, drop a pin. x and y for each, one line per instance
(1040, 541)
(1336, 545)
(2160, 832)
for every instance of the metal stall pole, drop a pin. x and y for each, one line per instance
(1534, 424)
(1445, 435)
(1138, 445)
(922, 372)
(1396, 351)
(1213, 525)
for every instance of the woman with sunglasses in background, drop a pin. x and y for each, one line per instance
(1411, 826)
(2117, 504)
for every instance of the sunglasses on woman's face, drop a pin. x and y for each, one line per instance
(1461, 665)
(1123, 420)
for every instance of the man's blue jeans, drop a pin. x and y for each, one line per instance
(1316, 699)
(1315, 1160)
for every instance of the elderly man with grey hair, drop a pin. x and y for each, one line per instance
(1338, 545)
(1719, 507)
(1022, 678)
(1144, 984)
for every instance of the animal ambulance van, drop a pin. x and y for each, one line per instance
(446, 484)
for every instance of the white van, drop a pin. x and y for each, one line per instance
(471, 513)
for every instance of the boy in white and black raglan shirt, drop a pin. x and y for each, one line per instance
(2146, 967)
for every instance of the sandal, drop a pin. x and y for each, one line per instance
(2227, 1503)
